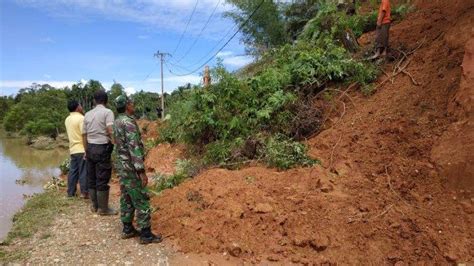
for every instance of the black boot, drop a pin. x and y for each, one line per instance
(147, 237)
(129, 231)
(103, 202)
(93, 197)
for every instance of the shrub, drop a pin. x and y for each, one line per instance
(64, 166)
(284, 153)
(184, 169)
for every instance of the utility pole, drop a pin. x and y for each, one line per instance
(161, 57)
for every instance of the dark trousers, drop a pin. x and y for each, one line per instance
(77, 173)
(382, 35)
(99, 167)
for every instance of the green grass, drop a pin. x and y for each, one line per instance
(37, 215)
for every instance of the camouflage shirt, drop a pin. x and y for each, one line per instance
(129, 146)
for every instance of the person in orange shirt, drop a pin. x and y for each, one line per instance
(383, 27)
(77, 166)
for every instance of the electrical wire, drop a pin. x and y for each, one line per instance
(200, 33)
(228, 41)
(151, 72)
(186, 28)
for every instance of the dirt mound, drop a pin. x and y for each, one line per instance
(379, 197)
(162, 158)
(149, 129)
(454, 152)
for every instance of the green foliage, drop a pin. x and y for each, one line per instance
(283, 153)
(6, 102)
(229, 109)
(184, 169)
(146, 104)
(368, 89)
(115, 91)
(38, 213)
(39, 111)
(297, 14)
(84, 93)
(64, 166)
(265, 30)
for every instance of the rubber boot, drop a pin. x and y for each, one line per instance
(93, 197)
(147, 237)
(129, 231)
(103, 202)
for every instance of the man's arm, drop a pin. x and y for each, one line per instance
(84, 136)
(135, 149)
(109, 122)
(84, 142)
(110, 134)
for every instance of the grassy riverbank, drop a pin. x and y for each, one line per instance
(36, 216)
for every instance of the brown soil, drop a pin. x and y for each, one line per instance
(149, 129)
(162, 158)
(378, 198)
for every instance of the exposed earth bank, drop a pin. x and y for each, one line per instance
(388, 189)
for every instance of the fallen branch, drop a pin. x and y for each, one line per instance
(398, 69)
(384, 212)
(411, 77)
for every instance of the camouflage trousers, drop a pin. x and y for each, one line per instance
(134, 197)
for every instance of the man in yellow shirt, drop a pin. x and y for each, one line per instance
(77, 167)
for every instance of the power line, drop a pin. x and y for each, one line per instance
(213, 48)
(228, 41)
(186, 28)
(151, 72)
(200, 33)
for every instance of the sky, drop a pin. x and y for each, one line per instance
(62, 42)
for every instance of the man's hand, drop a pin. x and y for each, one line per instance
(144, 179)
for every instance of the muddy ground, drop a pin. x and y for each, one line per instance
(386, 192)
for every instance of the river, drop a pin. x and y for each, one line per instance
(20, 162)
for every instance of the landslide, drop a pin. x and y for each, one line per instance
(379, 196)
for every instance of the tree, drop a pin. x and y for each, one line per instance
(146, 104)
(39, 111)
(297, 14)
(115, 91)
(84, 93)
(6, 102)
(264, 30)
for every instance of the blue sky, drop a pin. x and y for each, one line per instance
(61, 42)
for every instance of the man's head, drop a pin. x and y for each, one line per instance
(124, 104)
(74, 106)
(100, 97)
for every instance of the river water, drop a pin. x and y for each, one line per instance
(20, 162)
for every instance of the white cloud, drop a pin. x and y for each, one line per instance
(155, 13)
(47, 76)
(130, 90)
(238, 61)
(8, 87)
(47, 40)
(26, 83)
(223, 54)
(143, 37)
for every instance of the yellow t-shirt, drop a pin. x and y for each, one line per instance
(74, 132)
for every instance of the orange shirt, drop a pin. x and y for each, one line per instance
(385, 6)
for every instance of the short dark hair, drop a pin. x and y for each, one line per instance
(100, 97)
(121, 110)
(72, 105)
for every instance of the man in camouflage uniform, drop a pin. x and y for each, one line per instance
(131, 170)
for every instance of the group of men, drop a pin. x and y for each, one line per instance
(92, 138)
